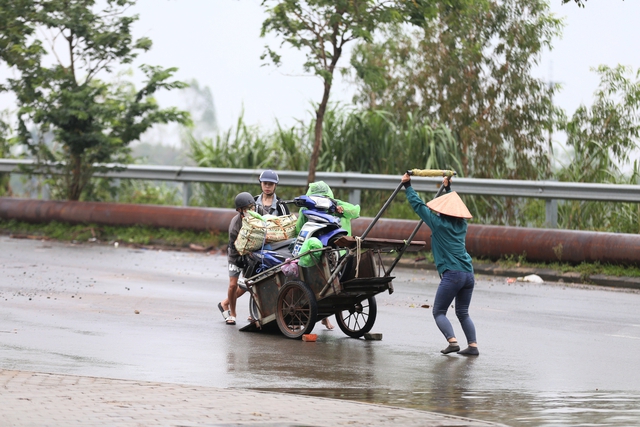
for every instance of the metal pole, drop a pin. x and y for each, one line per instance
(354, 196)
(551, 213)
(186, 193)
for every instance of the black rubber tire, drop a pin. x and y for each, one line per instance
(296, 309)
(359, 319)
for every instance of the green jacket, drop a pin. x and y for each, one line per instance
(448, 235)
(320, 188)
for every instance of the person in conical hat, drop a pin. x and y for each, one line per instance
(447, 217)
(450, 204)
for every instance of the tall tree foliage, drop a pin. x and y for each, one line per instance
(14, 31)
(602, 140)
(322, 28)
(580, 3)
(602, 136)
(5, 152)
(91, 121)
(470, 67)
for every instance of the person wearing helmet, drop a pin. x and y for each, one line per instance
(267, 202)
(244, 202)
(345, 211)
(447, 217)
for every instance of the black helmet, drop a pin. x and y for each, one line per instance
(269, 176)
(244, 200)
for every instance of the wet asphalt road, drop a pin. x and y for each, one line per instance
(551, 354)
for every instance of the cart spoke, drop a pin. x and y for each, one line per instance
(353, 320)
(359, 318)
(296, 309)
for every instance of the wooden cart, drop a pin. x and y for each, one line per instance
(343, 283)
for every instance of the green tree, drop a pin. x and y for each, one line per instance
(14, 31)
(91, 121)
(322, 28)
(580, 3)
(602, 136)
(602, 143)
(5, 152)
(470, 67)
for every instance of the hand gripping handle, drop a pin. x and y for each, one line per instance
(431, 172)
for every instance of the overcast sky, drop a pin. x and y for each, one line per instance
(217, 42)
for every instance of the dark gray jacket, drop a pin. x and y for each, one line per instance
(280, 208)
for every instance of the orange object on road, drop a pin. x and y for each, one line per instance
(310, 337)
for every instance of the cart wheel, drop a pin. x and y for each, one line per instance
(253, 308)
(296, 309)
(359, 319)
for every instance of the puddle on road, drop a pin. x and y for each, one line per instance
(516, 409)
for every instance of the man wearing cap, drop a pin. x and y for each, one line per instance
(267, 202)
(446, 217)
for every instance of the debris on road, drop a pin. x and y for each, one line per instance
(533, 278)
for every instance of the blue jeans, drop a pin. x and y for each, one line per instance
(456, 285)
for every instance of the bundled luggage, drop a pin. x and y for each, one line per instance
(258, 230)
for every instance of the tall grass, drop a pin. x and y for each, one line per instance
(377, 142)
(373, 142)
(600, 216)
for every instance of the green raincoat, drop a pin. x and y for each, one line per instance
(320, 188)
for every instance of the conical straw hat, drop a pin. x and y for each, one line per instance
(450, 204)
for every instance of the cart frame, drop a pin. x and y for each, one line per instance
(339, 284)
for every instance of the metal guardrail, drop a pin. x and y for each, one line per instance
(551, 191)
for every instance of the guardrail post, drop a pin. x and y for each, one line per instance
(116, 183)
(46, 191)
(551, 213)
(186, 193)
(354, 196)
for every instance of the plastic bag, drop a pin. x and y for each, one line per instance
(290, 267)
(258, 230)
(309, 260)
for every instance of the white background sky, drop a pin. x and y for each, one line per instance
(217, 42)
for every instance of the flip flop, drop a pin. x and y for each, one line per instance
(226, 313)
(231, 320)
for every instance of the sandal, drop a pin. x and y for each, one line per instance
(225, 313)
(231, 320)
